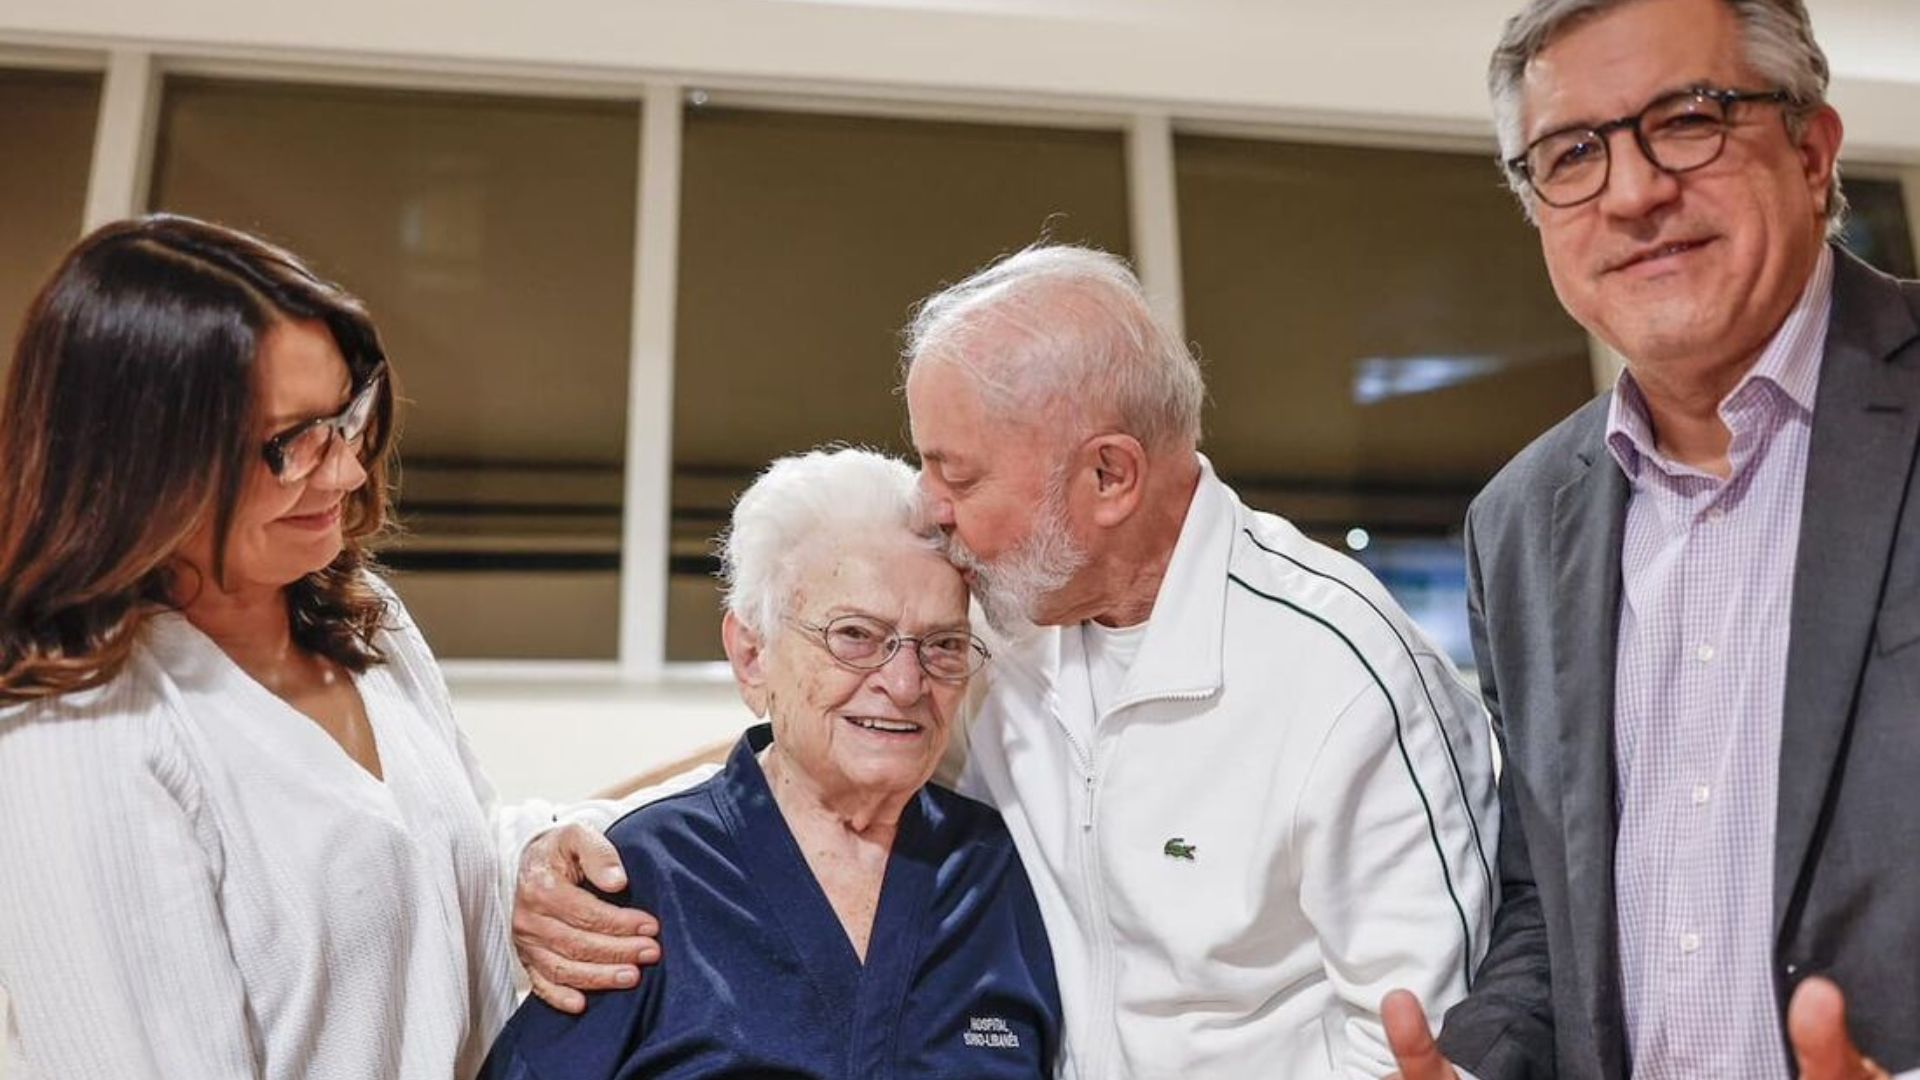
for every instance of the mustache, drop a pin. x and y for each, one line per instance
(1648, 239)
(960, 555)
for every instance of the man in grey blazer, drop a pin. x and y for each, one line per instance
(1696, 602)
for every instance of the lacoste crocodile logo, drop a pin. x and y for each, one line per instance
(1178, 848)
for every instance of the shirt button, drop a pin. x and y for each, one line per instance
(1701, 793)
(1689, 943)
(1715, 514)
(1704, 654)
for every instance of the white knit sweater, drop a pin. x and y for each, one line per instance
(196, 881)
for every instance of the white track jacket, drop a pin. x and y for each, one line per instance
(1288, 811)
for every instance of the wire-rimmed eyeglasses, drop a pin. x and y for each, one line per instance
(866, 643)
(1678, 132)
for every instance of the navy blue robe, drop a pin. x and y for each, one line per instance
(758, 978)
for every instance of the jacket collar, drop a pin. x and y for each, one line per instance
(1181, 654)
(1589, 512)
(1866, 424)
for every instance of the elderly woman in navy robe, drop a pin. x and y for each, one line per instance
(824, 910)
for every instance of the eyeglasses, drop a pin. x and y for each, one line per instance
(1679, 133)
(865, 643)
(295, 453)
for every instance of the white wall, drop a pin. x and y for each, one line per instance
(560, 734)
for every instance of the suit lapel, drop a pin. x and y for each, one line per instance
(1866, 415)
(1588, 522)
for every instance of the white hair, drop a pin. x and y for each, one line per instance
(1060, 326)
(1779, 45)
(801, 499)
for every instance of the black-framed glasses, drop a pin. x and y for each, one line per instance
(865, 643)
(295, 453)
(1679, 132)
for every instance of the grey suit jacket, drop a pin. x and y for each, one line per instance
(1543, 553)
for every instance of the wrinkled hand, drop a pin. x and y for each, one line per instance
(1817, 1027)
(1413, 1047)
(569, 939)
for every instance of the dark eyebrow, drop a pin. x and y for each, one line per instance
(1588, 124)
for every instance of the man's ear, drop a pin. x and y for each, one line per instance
(747, 655)
(1119, 466)
(1820, 140)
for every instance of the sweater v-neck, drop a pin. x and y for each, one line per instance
(175, 632)
(813, 929)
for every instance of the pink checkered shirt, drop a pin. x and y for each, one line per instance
(1707, 574)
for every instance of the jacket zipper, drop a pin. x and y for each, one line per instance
(1101, 933)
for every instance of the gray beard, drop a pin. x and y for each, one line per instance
(1011, 588)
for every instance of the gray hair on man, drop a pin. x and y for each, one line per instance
(822, 495)
(1057, 326)
(1780, 47)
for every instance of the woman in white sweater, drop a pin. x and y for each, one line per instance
(240, 835)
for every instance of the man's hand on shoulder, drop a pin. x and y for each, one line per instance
(569, 939)
(1414, 1050)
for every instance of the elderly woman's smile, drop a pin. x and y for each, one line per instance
(886, 726)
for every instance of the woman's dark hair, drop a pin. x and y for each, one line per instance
(128, 422)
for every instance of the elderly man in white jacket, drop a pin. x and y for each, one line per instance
(1252, 796)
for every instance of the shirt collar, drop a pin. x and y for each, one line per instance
(1790, 363)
